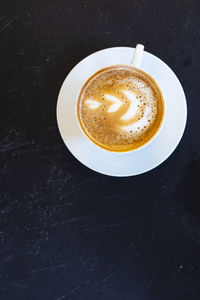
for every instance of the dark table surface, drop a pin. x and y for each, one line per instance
(67, 232)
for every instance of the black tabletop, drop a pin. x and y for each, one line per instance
(67, 232)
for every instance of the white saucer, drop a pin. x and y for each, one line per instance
(127, 164)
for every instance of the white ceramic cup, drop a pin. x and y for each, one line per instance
(135, 62)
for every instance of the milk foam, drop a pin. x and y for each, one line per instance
(133, 107)
(116, 103)
(92, 104)
(139, 125)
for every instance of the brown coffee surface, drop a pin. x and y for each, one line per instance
(120, 108)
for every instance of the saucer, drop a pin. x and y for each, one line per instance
(124, 164)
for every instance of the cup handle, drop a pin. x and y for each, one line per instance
(137, 57)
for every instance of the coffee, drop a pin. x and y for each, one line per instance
(120, 108)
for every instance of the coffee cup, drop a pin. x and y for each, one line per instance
(121, 108)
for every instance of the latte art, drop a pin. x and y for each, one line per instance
(120, 108)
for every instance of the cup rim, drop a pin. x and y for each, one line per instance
(140, 147)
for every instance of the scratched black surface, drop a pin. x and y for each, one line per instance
(67, 232)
